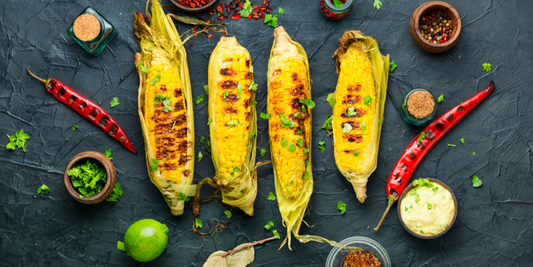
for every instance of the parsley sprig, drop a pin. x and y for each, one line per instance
(19, 140)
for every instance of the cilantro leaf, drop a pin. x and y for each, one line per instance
(209, 121)
(378, 4)
(19, 140)
(269, 225)
(206, 89)
(271, 196)
(271, 20)
(347, 128)
(182, 197)
(487, 67)
(356, 153)
(276, 234)
(322, 146)
(368, 100)
(74, 127)
(228, 214)
(200, 156)
(115, 102)
(243, 191)
(281, 11)
(286, 123)
(155, 164)
(254, 103)
(341, 206)
(143, 68)
(246, 9)
(421, 136)
(328, 123)
(331, 100)
(308, 102)
(462, 141)
(392, 65)
(202, 141)
(300, 142)
(198, 223)
(199, 99)
(117, 192)
(120, 246)
(284, 142)
(440, 99)
(351, 112)
(108, 153)
(155, 79)
(208, 146)
(476, 182)
(291, 147)
(262, 152)
(253, 86)
(265, 116)
(43, 190)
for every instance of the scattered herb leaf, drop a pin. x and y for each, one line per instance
(347, 128)
(378, 4)
(441, 98)
(43, 190)
(198, 223)
(341, 206)
(182, 197)
(487, 67)
(19, 140)
(199, 99)
(108, 153)
(265, 116)
(74, 127)
(421, 136)
(331, 100)
(228, 214)
(271, 196)
(200, 156)
(392, 65)
(115, 102)
(476, 182)
(117, 192)
(322, 146)
(155, 79)
(328, 123)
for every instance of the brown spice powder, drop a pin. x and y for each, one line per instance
(420, 104)
(86, 27)
(361, 258)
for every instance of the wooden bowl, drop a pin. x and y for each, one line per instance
(193, 10)
(436, 6)
(111, 177)
(427, 236)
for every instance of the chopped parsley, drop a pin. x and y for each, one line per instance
(351, 112)
(225, 94)
(115, 195)
(421, 136)
(246, 9)
(462, 141)
(286, 123)
(368, 100)
(269, 225)
(271, 196)
(228, 214)
(476, 182)
(243, 191)
(281, 11)
(271, 20)
(254, 103)
(291, 147)
(487, 67)
(322, 146)
(347, 128)
(209, 121)
(328, 123)
(108, 153)
(74, 127)
(143, 68)
(206, 89)
(155, 79)
(202, 141)
(88, 178)
(153, 167)
(199, 99)
(356, 153)
(338, 3)
(198, 223)
(392, 66)
(19, 140)
(341, 206)
(231, 124)
(200, 156)
(43, 190)
(441, 98)
(300, 142)
(308, 102)
(182, 197)
(276, 234)
(265, 116)
(284, 142)
(331, 100)
(306, 175)
(253, 86)
(115, 102)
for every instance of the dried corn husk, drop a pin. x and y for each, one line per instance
(161, 37)
(293, 198)
(364, 165)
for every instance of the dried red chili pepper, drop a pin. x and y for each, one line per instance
(235, 16)
(87, 109)
(417, 150)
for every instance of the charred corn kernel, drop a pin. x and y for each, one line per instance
(166, 116)
(355, 105)
(289, 85)
(359, 104)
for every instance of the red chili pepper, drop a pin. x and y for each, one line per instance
(417, 150)
(87, 109)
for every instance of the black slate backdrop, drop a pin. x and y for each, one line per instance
(493, 226)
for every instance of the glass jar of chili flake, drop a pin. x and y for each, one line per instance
(335, 9)
(418, 106)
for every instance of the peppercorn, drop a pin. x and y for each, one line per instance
(436, 26)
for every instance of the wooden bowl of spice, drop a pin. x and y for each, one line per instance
(436, 26)
(90, 177)
(418, 106)
(194, 6)
(371, 254)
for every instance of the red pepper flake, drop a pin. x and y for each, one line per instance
(255, 7)
(235, 16)
(190, 45)
(210, 36)
(361, 259)
(241, 5)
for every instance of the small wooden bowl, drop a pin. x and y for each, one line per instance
(193, 10)
(111, 177)
(436, 6)
(427, 236)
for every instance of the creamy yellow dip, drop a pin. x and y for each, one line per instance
(427, 210)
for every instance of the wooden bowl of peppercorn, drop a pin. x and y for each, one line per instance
(436, 26)
(200, 5)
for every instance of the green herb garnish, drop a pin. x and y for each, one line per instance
(308, 102)
(117, 192)
(265, 116)
(271, 20)
(441, 99)
(271, 196)
(269, 225)
(275, 232)
(19, 140)
(199, 99)
(246, 9)
(378, 4)
(143, 68)
(209, 121)
(228, 214)
(200, 156)
(341, 206)
(286, 123)
(331, 100)
(43, 190)
(206, 89)
(351, 112)
(88, 178)
(328, 123)
(392, 65)
(155, 162)
(356, 153)
(281, 11)
(338, 3)
(462, 141)
(155, 79)
(487, 67)
(421, 136)
(182, 197)
(108, 153)
(74, 127)
(243, 191)
(476, 182)
(115, 102)
(291, 147)
(347, 128)
(253, 86)
(368, 101)
(198, 223)
(322, 146)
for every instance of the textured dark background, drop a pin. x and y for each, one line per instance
(494, 223)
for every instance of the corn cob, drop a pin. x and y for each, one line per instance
(359, 103)
(233, 125)
(165, 107)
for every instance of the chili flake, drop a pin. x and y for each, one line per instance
(361, 258)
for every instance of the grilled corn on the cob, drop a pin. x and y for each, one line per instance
(165, 107)
(233, 123)
(359, 103)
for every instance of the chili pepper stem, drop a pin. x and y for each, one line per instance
(35, 76)
(391, 201)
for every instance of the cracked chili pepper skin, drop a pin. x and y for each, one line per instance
(87, 109)
(417, 150)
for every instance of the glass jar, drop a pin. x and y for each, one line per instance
(337, 255)
(418, 106)
(92, 31)
(332, 12)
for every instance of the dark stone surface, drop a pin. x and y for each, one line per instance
(494, 224)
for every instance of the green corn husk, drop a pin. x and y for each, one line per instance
(293, 208)
(162, 35)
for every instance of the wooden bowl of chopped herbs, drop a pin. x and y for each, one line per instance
(90, 178)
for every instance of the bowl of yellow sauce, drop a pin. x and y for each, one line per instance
(427, 208)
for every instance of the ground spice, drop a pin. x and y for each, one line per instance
(86, 27)
(420, 104)
(361, 258)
